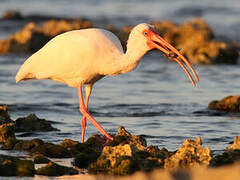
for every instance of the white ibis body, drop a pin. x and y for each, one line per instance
(82, 57)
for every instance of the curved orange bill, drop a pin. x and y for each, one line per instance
(156, 41)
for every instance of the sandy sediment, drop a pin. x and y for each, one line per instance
(231, 172)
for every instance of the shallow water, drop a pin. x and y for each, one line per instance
(156, 100)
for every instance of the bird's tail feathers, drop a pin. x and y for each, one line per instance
(24, 72)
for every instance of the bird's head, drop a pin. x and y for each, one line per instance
(145, 37)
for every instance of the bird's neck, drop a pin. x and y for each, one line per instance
(127, 61)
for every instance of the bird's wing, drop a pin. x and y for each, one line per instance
(75, 54)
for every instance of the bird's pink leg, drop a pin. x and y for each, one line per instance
(83, 110)
(83, 120)
(83, 125)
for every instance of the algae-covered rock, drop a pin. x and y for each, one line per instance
(4, 116)
(83, 153)
(13, 166)
(51, 150)
(28, 144)
(196, 41)
(33, 123)
(194, 38)
(124, 137)
(228, 157)
(40, 159)
(13, 15)
(68, 143)
(228, 104)
(126, 154)
(32, 36)
(231, 155)
(85, 158)
(112, 153)
(53, 169)
(190, 154)
(96, 142)
(10, 143)
(7, 131)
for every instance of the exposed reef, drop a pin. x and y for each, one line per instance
(194, 38)
(125, 155)
(228, 104)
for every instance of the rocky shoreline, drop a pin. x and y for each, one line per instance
(194, 38)
(125, 155)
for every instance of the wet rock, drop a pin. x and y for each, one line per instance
(83, 153)
(126, 154)
(154, 151)
(229, 104)
(12, 166)
(33, 123)
(13, 15)
(235, 145)
(10, 143)
(37, 147)
(32, 37)
(112, 153)
(195, 39)
(51, 150)
(74, 147)
(124, 137)
(7, 131)
(190, 154)
(53, 169)
(96, 142)
(28, 145)
(68, 143)
(231, 155)
(40, 159)
(4, 116)
(228, 157)
(85, 158)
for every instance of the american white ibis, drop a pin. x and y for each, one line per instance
(82, 57)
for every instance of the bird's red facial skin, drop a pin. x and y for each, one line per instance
(148, 34)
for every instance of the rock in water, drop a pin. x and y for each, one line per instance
(40, 159)
(33, 37)
(228, 104)
(7, 131)
(126, 154)
(231, 155)
(13, 166)
(190, 154)
(4, 116)
(235, 145)
(53, 169)
(33, 123)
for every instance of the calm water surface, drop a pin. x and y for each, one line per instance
(156, 100)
